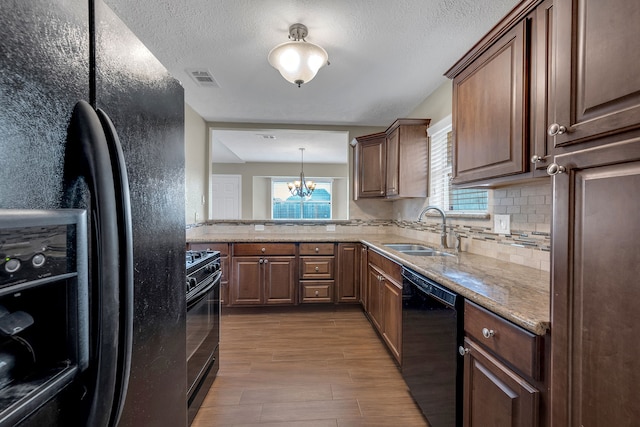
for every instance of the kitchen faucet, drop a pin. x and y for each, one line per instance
(443, 235)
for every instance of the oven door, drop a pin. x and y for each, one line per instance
(203, 333)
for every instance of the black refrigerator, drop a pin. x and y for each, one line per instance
(69, 69)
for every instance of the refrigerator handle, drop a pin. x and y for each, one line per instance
(88, 156)
(125, 242)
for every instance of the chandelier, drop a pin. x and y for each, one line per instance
(298, 60)
(301, 188)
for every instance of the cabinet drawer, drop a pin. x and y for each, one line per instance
(519, 347)
(316, 248)
(317, 291)
(316, 267)
(242, 249)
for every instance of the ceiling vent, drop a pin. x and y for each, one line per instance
(202, 77)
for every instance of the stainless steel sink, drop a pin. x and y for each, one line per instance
(416, 250)
(402, 247)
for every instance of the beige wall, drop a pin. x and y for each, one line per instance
(361, 209)
(436, 106)
(196, 166)
(256, 184)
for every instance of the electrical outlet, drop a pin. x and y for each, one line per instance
(502, 224)
(331, 227)
(259, 227)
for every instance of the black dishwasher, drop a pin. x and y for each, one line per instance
(431, 333)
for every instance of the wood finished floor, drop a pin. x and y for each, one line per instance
(306, 367)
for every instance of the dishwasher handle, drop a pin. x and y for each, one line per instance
(430, 287)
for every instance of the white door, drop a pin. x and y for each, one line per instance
(225, 197)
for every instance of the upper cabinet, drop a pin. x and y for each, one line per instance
(597, 79)
(394, 163)
(502, 94)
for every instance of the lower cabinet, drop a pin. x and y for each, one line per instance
(385, 300)
(348, 273)
(263, 274)
(503, 367)
(317, 272)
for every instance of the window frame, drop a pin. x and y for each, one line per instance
(319, 181)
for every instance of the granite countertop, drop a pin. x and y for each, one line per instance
(517, 293)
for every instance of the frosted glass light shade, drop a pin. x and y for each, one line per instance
(298, 61)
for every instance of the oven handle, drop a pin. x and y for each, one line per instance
(199, 296)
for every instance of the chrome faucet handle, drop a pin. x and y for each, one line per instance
(458, 242)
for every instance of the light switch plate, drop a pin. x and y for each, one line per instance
(502, 224)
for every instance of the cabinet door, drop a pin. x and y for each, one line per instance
(375, 297)
(392, 316)
(489, 112)
(371, 167)
(364, 276)
(494, 395)
(543, 89)
(348, 272)
(246, 281)
(393, 160)
(595, 378)
(597, 78)
(279, 280)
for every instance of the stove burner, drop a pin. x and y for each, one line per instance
(195, 258)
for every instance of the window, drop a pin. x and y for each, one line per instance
(286, 206)
(440, 192)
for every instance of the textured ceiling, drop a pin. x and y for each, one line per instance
(386, 56)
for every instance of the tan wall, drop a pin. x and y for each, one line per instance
(196, 166)
(361, 209)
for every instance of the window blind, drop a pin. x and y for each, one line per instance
(441, 192)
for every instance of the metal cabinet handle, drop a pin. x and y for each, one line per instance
(537, 159)
(317, 293)
(488, 333)
(266, 261)
(463, 351)
(317, 268)
(555, 169)
(317, 249)
(261, 261)
(556, 129)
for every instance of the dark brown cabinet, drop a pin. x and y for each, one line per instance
(348, 273)
(363, 266)
(317, 272)
(263, 274)
(596, 75)
(493, 394)
(370, 165)
(595, 293)
(489, 113)
(385, 301)
(503, 367)
(504, 93)
(394, 163)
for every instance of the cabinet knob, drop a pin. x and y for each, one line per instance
(536, 159)
(556, 129)
(261, 261)
(462, 350)
(317, 250)
(317, 268)
(555, 169)
(317, 293)
(266, 261)
(263, 250)
(488, 333)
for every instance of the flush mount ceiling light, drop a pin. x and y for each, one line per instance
(298, 60)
